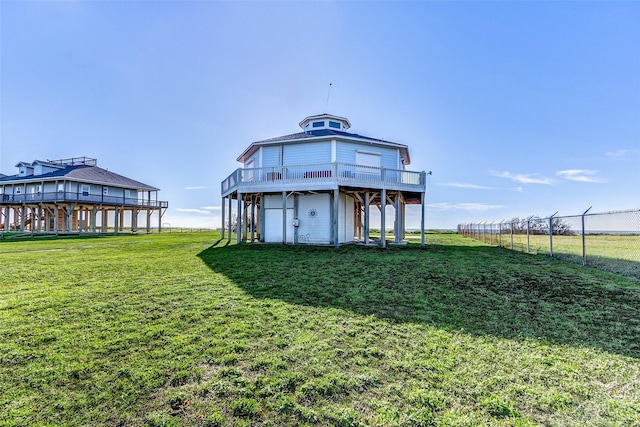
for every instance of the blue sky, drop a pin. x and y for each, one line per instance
(518, 108)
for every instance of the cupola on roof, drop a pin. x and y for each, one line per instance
(325, 121)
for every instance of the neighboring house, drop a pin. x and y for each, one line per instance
(317, 186)
(74, 196)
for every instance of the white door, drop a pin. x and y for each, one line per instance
(314, 215)
(273, 225)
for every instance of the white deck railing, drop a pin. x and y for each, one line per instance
(75, 197)
(329, 173)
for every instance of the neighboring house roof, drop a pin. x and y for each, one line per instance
(322, 134)
(27, 164)
(84, 173)
(2, 175)
(48, 163)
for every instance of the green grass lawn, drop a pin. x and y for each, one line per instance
(180, 329)
(614, 253)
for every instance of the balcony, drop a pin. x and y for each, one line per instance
(74, 197)
(321, 176)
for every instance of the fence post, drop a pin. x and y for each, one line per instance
(491, 233)
(584, 247)
(500, 233)
(511, 235)
(528, 222)
(551, 234)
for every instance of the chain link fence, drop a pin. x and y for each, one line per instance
(609, 241)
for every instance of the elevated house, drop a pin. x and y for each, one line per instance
(318, 186)
(75, 196)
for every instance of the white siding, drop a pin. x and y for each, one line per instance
(274, 201)
(50, 187)
(314, 217)
(271, 155)
(307, 153)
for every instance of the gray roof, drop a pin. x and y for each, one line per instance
(321, 133)
(84, 173)
(48, 163)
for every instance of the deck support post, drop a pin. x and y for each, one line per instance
(116, 225)
(23, 214)
(134, 220)
(253, 217)
(70, 218)
(397, 232)
(367, 201)
(6, 218)
(383, 204)
(284, 217)
(239, 220)
(56, 213)
(94, 218)
(336, 214)
(422, 207)
(261, 219)
(222, 230)
(121, 220)
(245, 224)
(39, 218)
(104, 220)
(229, 219)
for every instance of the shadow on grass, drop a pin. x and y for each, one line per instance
(482, 290)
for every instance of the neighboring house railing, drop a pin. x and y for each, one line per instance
(330, 173)
(65, 196)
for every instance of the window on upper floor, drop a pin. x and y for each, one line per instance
(127, 193)
(318, 124)
(334, 125)
(105, 191)
(368, 162)
(85, 190)
(248, 176)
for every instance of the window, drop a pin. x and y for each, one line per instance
(127, 193)
(105, 191)
(248, 176)
(85, 190)
(18, 190)
(369, 161)
(334, 125)
(61, 187)
(318, 124)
